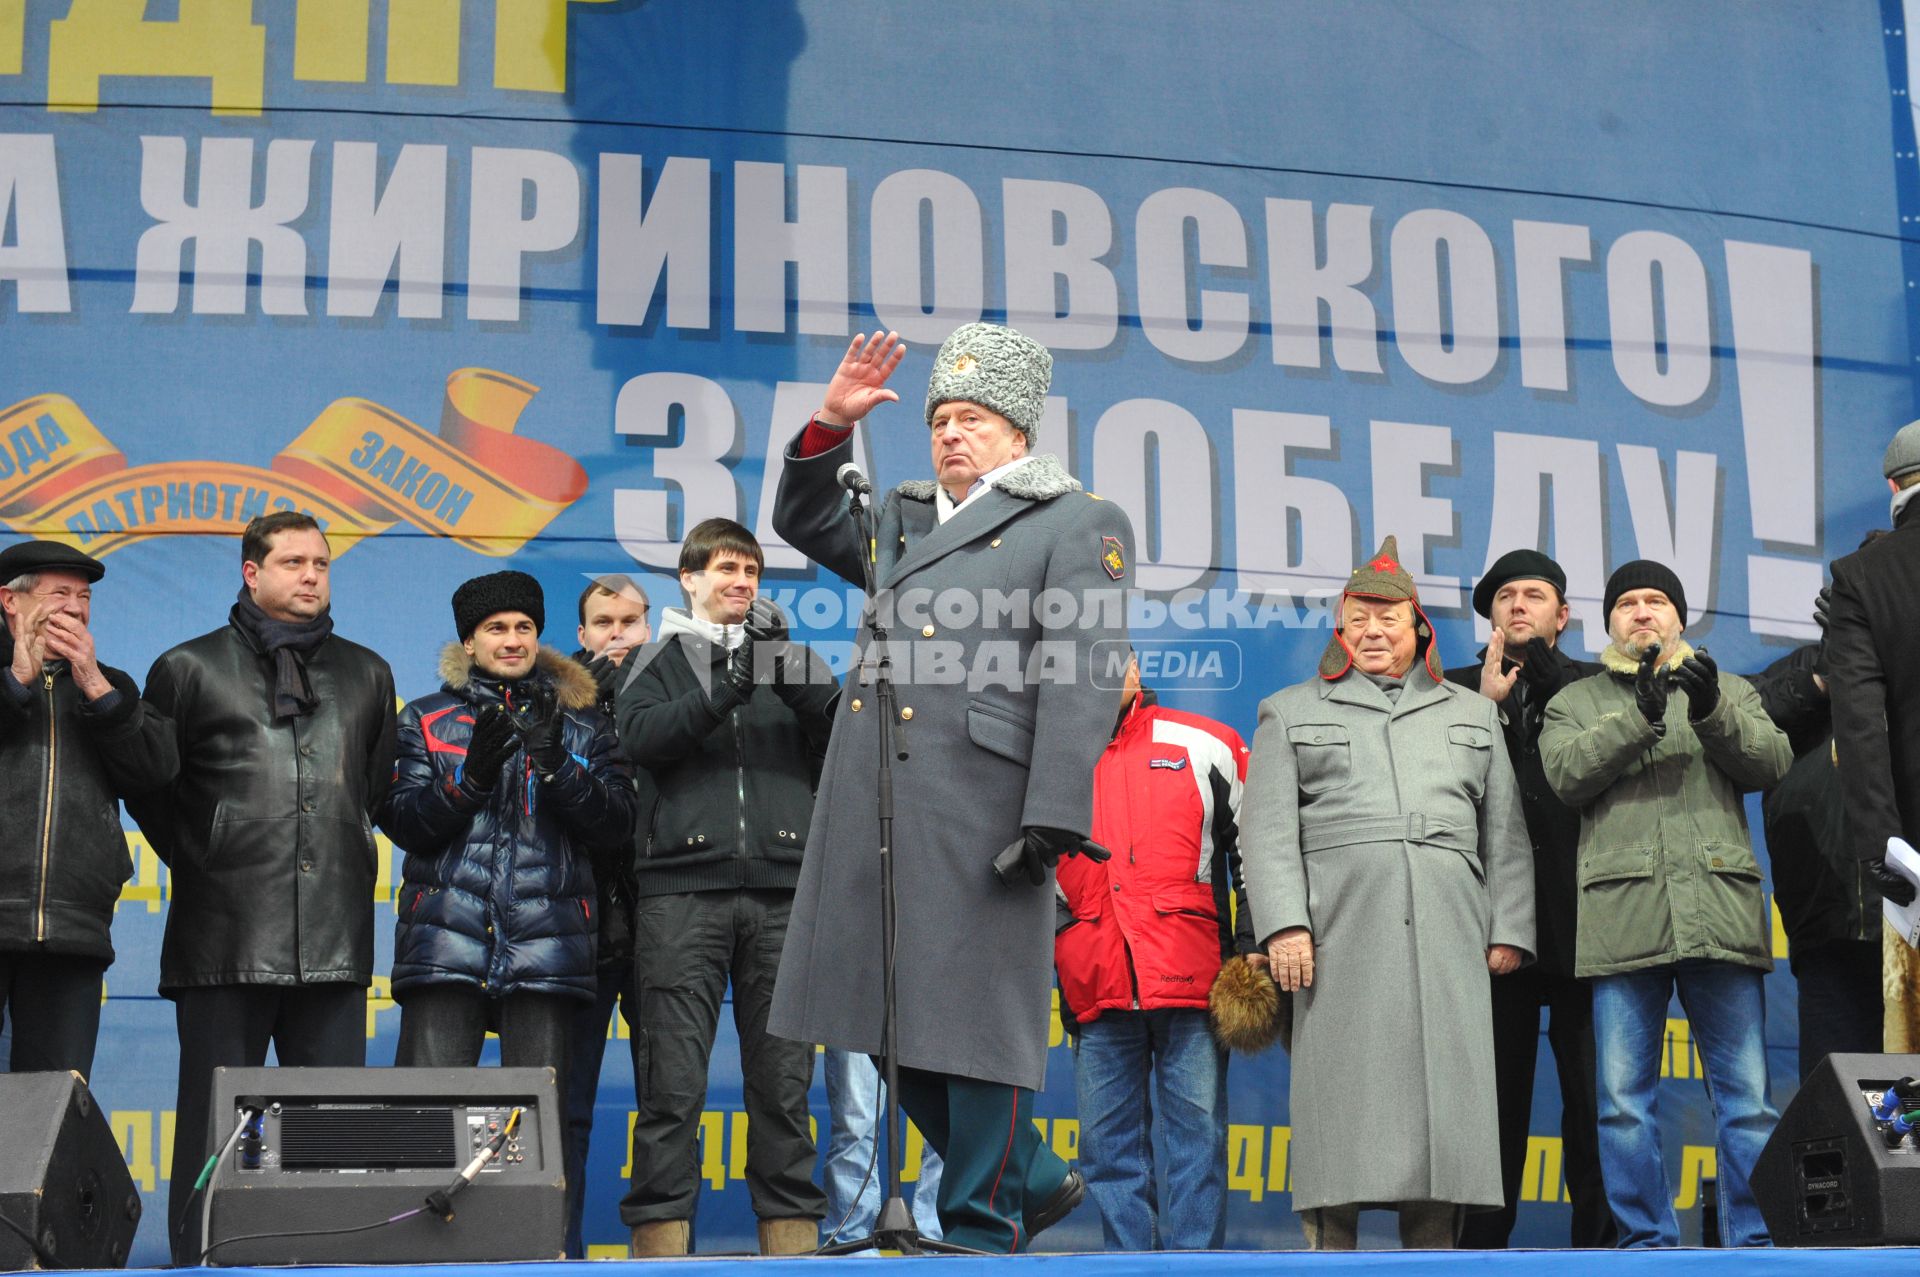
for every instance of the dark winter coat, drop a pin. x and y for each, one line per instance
(1553, 828)
(1823, 892)
(268, 828)
(64, 766)
(614, 875)
(1875, 681)
(734, 791)
(990, 746)
(499, 895)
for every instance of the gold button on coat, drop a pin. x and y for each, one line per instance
(855, 707)
(927, 632)
(906, 713)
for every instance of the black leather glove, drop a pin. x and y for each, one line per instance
(537, 713)
(606, 681)
(1650, 689)
(1699, 678)
(491, 743)
(1039, 850)
(767, 632)
(734, 687)
(1822, 612)
(1893, 885)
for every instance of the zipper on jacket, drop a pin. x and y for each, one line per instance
(740, 781)
(46, 828)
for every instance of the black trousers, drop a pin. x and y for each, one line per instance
(585, 1053)
(309, 1026)
(53, 1003)
(1841, 1004)
(1518, 1000)
(687, 948)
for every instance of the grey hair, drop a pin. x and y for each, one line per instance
(24, 583)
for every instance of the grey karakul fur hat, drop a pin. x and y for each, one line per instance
(999, 369)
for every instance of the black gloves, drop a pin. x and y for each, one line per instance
(734, 686)
(1893, 885)
(1822, 612)
(606, 681)
(491, 743)
(1650, 690)
(540, 722)
(1039, 850)
(767, 634)
(1699, 678)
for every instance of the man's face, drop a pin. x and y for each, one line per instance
(1528, 610)
(1641, 617)
(969, 440)
(504, 645)
(292, 582)
(724, 591)
(1380, 634)
(615, 625)
(1130, 687)
(55, 591)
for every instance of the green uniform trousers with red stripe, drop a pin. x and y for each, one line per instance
(998, 1170)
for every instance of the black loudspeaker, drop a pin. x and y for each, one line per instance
(334, 1152)
(1830, 1175)
(63, 1181)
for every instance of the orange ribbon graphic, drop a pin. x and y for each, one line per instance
(359, 469)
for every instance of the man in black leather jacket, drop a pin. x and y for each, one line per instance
(74, 738)
(286, 737)
(734, 762)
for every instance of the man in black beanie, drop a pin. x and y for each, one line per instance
(1522, 667)
(1656, 753)
(508, 783)
(285, 734)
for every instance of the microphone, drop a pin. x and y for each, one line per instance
(849, 477)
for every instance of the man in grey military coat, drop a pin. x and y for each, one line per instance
(999, 577)
(1389, 870)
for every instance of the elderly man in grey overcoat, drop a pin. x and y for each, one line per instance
(1389, 870)
(1000, 579)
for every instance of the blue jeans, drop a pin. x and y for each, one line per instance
(1114, 1060)
(854, 1100)
(1726, 1009)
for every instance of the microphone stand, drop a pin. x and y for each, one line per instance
(893, 1229)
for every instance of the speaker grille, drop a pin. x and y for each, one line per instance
(353, 1138)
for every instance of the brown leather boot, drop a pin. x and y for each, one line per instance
(659, 1238)
(789, 1236)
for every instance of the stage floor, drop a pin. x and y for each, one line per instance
(1886, 1262)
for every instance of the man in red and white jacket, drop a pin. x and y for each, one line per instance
(1142, 936)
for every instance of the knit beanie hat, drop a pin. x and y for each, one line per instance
(1903, 454)
(1382, 577)
(999, 369)
(1645, 574)
(1516, 565)
(481, 597)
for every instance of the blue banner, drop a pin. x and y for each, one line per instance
(549, 281)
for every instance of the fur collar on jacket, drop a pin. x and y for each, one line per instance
(1619, 662)
(577, 688)
(1041, 479)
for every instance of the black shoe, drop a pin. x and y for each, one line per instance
(1072, 1191)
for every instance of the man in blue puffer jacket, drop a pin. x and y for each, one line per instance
(507, 782)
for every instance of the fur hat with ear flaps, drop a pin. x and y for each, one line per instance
(1382, 577)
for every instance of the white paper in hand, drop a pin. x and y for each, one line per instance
(1905, 919)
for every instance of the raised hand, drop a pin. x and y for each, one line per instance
(1650, 689)
(859, 384)
(1495, 685)
(68, 638)
(1699, 678)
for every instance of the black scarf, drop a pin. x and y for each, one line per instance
(289, 643)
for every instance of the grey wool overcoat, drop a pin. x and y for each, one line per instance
(1007, 723)
(1393, 831)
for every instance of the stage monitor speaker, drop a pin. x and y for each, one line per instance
(335, 1150)
(64, 1181)
(1829, 1176)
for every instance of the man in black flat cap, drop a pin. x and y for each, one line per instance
(1520, 669)
(74, 737)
